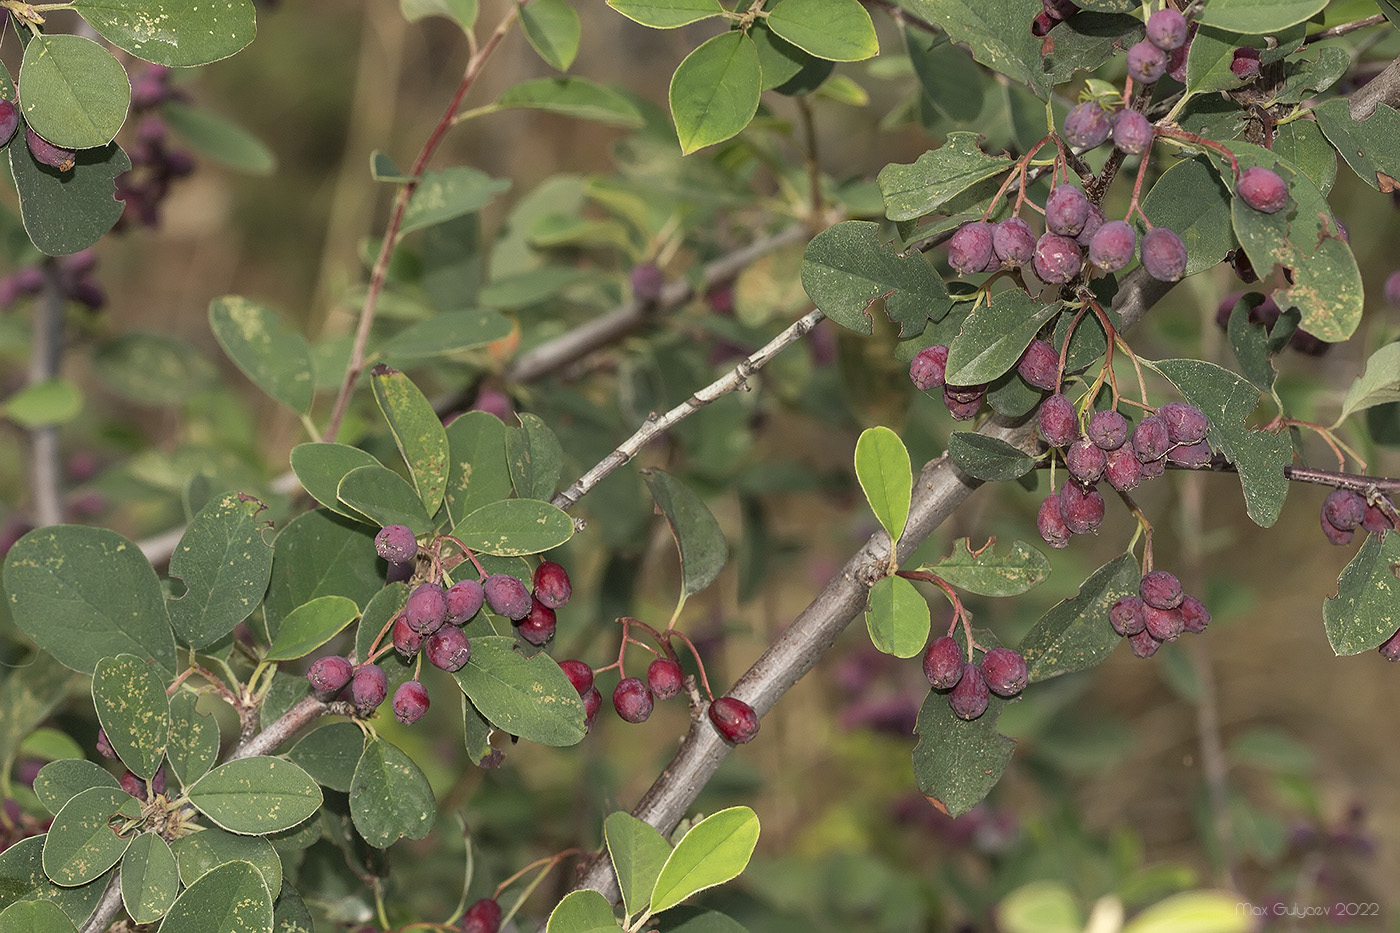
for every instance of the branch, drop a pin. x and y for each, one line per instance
(45, 354)
(107, 907)
(306, 711)
(1355, 481)
(1345, 28)
(1384, 88)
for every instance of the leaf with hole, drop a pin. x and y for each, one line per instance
(89, 835)
(985, 572)
(1075, 633)
(224, 563)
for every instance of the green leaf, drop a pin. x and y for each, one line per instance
(1367, 145)
(1303, 144)
(290, 914)
(1363, 613)
(786, 68)
(385, 605)
(937, 176)
(204, 851)
(686, 919)
(698, 536)
(22, 878)
(83, 594)
(194, 739)
(846, 268)
(985, 572)
(553, 30)
(884, 472)
(153, 369)
(417, 431)
(1075, 633)
(1040, 907)
(478, 472)
(83, 843)
(310, 626)
(225, 564)
(330, 754)
(1189, 911)
(638, 851)
(1251, 343)
(1257, 16)
(452, 192)
(270, 353)
(28, 694)
(221, 140)
(897, 618)
(1212, 50)
(573, 97)
(149, 878)
(256, 796)
(232, 898)
(446, 334)
(714, 851)
(582, 912)
(461, 12)
(320, 554)
(1227, 401)
(515, 528)
(995, 32)
(384, 497)
(51, 401)
(476, 733)
(535, 457)
(389, 796)
(988, 458)
(836, 30)
(1094, 36)
(667, 14)
(321, 466)
(1190, 200)
(178, 33)
(1271, 749)
(64, 212)
(958, 761)
(73, 92)
(994, 336)
(133, 710)
(60, 781)
(714, 92)
(35, 917)
(529, 697)
(1378, 383)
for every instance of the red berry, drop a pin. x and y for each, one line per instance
(1186, 424)
(47, 153)
(1390, 648)
(1122, 469)
(579, 674)
(133, 785)
(464, 599)
(1040, 365)
(1128, 616)
(664, 678)
(736, 720)
(1091, 226)
(928, 368)
(537, 627)
(1051, 524)
(1081, 508)
(1163, 255)
(1005, 671)
(482, 917)
(1193, 614)
(1161, 590)
(970, 249)
(970, 697)
(1164, 624)
(1262, 189)
(410, 702)
(1338, 536)
(507, 596)
(592, 702)
(964, 402)
(396, 544)
(406, 640)
(327, 675)
(632, 700)
(448, 649)
(426, 608)
(1143, 644)
(1108, 429)
(1058, 423)
(368, 688)
(1376, 521)
(943, 663)
(1151, 441)
(551, 584)
(1085, 461)
(1245, 63)
(9, 121)
(1344, 508)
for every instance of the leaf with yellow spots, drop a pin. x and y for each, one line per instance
(256, 796)
(528, 697)
(232, 898)
(84, 840)
(389, 796)
(417, 431)
(514, 528)
(134, 710)
(224, 563)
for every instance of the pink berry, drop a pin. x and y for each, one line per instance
(1194, 616)
(964, 402)
(1108, 429)
(1245, 63)
(1146, 62)
(1390, 648)
(664, 678)
(735, 720)
(426, 608)
(538, 625)
(970, 697)
(1186, 424)
(406, 640)
(507, 596)
(396, 544)
(1066, 210)
(327, 675)
(47, 153)
(1057, 259)
(1166, 29)
(1058, 423)
(592, 701)
(943, 662)
(970, 249)
(1081, 508)
(1085, 461)
(1113, 246)
(1344, 508)
(1143, 644)
(1163, 255)
(1128, 616)
(1122, 470)
(368, 688)
(1151, 441)
(551, 584)
(1192, 456)
(632, 700)
(1040, 365)
(579, 674)
(1014, 242)
(410, 701)
(1164, 624)
(9, 121)
(464, 599)
(929, 367)
(1160, 590)
(1086, 126)
(1262, 189)
(1051, 524)
(1005, 671)
(448, 649)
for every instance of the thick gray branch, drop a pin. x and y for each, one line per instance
(1384, 88)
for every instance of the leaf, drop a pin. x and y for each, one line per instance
(1075, 633)
(1367, 145)
(204, 851)
(290, 914)
(553, 30)
(380, 611)
(527, 697)
(221, 140)
(786, 68)
(995, 32)
(846, 268)
(1189, 911)
(638, 851)
(715, 850)
(461, 12)
(22, 878)
(1251, 343)
(149, 878)
(1362, 614)
(1040, 907)
(476, 733)
(60, 781)
(270, 353)
(714, 92)
(478, 472)
(1093, 36)
(133, 710)
(48, 402)
(958, 761)
(73, 92)
(28, 694)
(1190, 200)
(985, 572)
(897, 618)
(698, 536)
(988, 458)
(446, 334)
(1303, 144)
(582, 912)
(1257, 16)
(320, 467)
(225, 564)
(320, 554)
(65, 212)
(835, 30)
(194, 739)
(178, 33)
(535, 458)
(310, 626)
(1212, 50)
(686, 919)
(82, 842)
(232, 898)
(384, 497)
(417, 431)
(256, 796)
(667, 14)
(884, 472)
(449, 193)
(35, 917)
(83, 594)
(993, 338)
(943, 73)
(389, 796)
(1378, 383)
(153, 369)
(937, 176)
(1227, 401)
(330, 754)
(573, 97)
(515, 527)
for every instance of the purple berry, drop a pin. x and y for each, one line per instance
(1150, 469)
(969, 698)
(538, 625)
(1390, 648)
(632, 700)
(1186, 424)
(133, 785)
(1163, 255)
(1194, 616)
(1086, 126)
(448, 649)
(1164, 624)
(1040, 365)
(1005, 671)
(406, 640)
(551, 584)
(396, 544)
(1108, 429)
(1066, 210)
(1337, 536)
(1344, 508)
(9, 121)
(1121, 469)
(1262, 189)
(1042, 24)
(1058, 423)
(1160, 590)
(1191, 456)
(1085, 461)
(410, 702)
(368, 688)
(970, 249)
(1392, 289)
(105, 749)
(1051, 524)
(482, 917)
(1128, 616)
(464, 599)
(1082, 509)
(1151, 440)
(943, 662)
(1057, 259)
(929, 367)
(964, 402)
(1245, 63)
(47, 153)
(1014, 242)
(1375, 520)
(664, 678)
(426, 608)
(579, 674)
(1146, 62)
(1113, 246)
(327, 675)
(592, 702)
(1143, 644)
(1166, 29)
(646, 280)
(736, 720)
(1091, 226)
(507, 596)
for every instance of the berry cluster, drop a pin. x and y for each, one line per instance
(1160, 612)
(155, 164)
(43, 151)
(75, 281)
(968, 684)
(1345, 510)
(1052, 13)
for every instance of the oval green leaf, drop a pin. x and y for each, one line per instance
(1074, 634)
(178, 33)
(447, 333)
(202, 852)
(638, 852)
(884, 472)
(22, 878)
(1362, 614)
(836, 30)
(256, 796)
(194, 739)
(478, 473)
(221, 140)
(149, 878)
(582, 912)
(452, 192)
(987, 573)
(331, 754)
(83, 841)
(1215, 911)
(846, 268)
(958, 761)
(417, 431)
(311, 625)
(515, 527)
(528, 697)
(389, 796)
(225, 564)
(461, 12)
(714, 92)
(573, 97)
(994, 336)
(1191, 201)
(60, 781)
(552, 28)
(698, 536)
(667, 14)
(897, 618)
(153, 369)
(321, 466)
(73, 92)
(1257, 16)
(50, 401)
(938, 176)
(35, 917)
(134, 711)
(64, 212)
(384, 497)
(271, 354)
(535, 458)
(1378, 383)
(715, 850)
(232, 898)
(988, 458)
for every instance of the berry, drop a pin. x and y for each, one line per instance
(664, 678)
(1086, 126)
(368, 688)
(1150, 439)
(592, 702)
(1262, 189)
(1040, 365)
(1344, 509)
(1128, 616)
(327, 675)
(1166, 29)
(1376, 521)
(1085, 461)
(1005, 671)
(969, 698)
(963, 401)
(1108, 429)
(47, 153)
(1014, 242)
(1176, 58)
(104, 746)
(1160, 590)
(1192, 456)
(1186, 424)
(1057, 259)
(929, 367)
(1066, 210)
(133, 785)
(943, 662)
(1143, 644)
(396, 544)
(482, 917)
(1338, 536)
(464, 599)
(1042, 24)
(970, 249)
(1164, 624)
(736, 720)
(632, 700)
(448, 649)
(579, 674)
(1149, 469)
(1113, 246)
(646, 280)
(9, 121)
(538, 626)
(1058, 423)
(410, 702)
(551, 584)
(1051, 524)
(1091, 226)
(1390, 648)
(1082, 509)
(1245, 63)
(1392, 289)
(1194, 616)
(507, 596)
(406, 640)
(1163, 255)
(426, 608)
(1122, 470)
(1146, 62)
(1131, 132)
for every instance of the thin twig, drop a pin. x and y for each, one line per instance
(1355, 481)
(1345, 28)
(107, 907)
(45, 356)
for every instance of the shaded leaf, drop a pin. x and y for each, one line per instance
(149, 878)
(417, 431)
(995, 32)
(1363, 613)
(202, 852)
(64, 212)
(270, 353)
(330, 754)
(320, 467)
(846, 268)
(22, 878)
(74, 92)
(451, 192)
(60, 781)
(698, 536)
(1075, 633)
(153, 369)
(478, 473)
(178, 33)
(528, 697)
(35, 917)
(994, 336)
(1191, 201)
(224, 564)
(1378, 383)
(1368, 146)
(666, 14)
(535, 458)
(194, 739)
(447, 333)
(320, 554)
(958, 761)
(553, 30)
(221, 140)
(988, 458)
(937, 176)
(389, 796)
(985, 572)
(384, 497)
